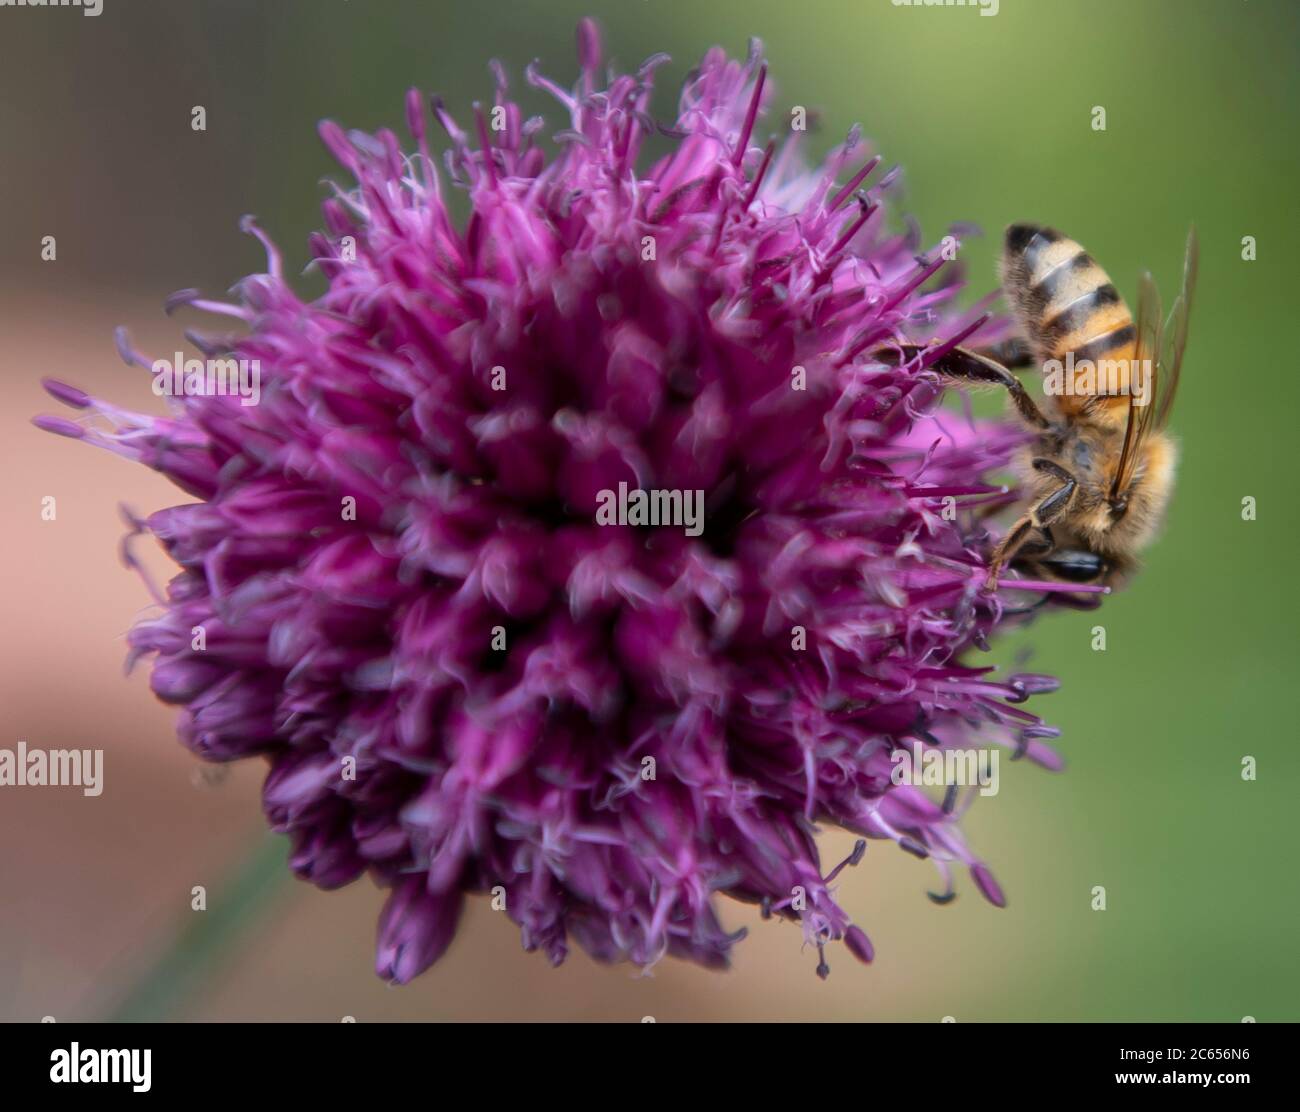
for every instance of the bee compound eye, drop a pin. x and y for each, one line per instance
(1077, 566)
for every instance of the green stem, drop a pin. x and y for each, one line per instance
(202, 946)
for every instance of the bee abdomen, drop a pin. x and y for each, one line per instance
(1063, 300)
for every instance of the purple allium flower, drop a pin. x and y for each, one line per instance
(461, 682)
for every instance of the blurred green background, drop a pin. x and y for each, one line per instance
(991, 120)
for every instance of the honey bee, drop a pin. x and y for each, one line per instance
(1099, 471)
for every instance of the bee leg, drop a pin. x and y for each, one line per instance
(960, 363)
(1008, 546)
(1013, 354)
(1040, 516)
(1040, 548)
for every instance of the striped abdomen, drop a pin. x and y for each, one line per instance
(1063, 301)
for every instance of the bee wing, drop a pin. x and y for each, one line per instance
(1140, 417)
(1171, 357)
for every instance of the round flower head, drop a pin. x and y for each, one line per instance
(592, 553)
